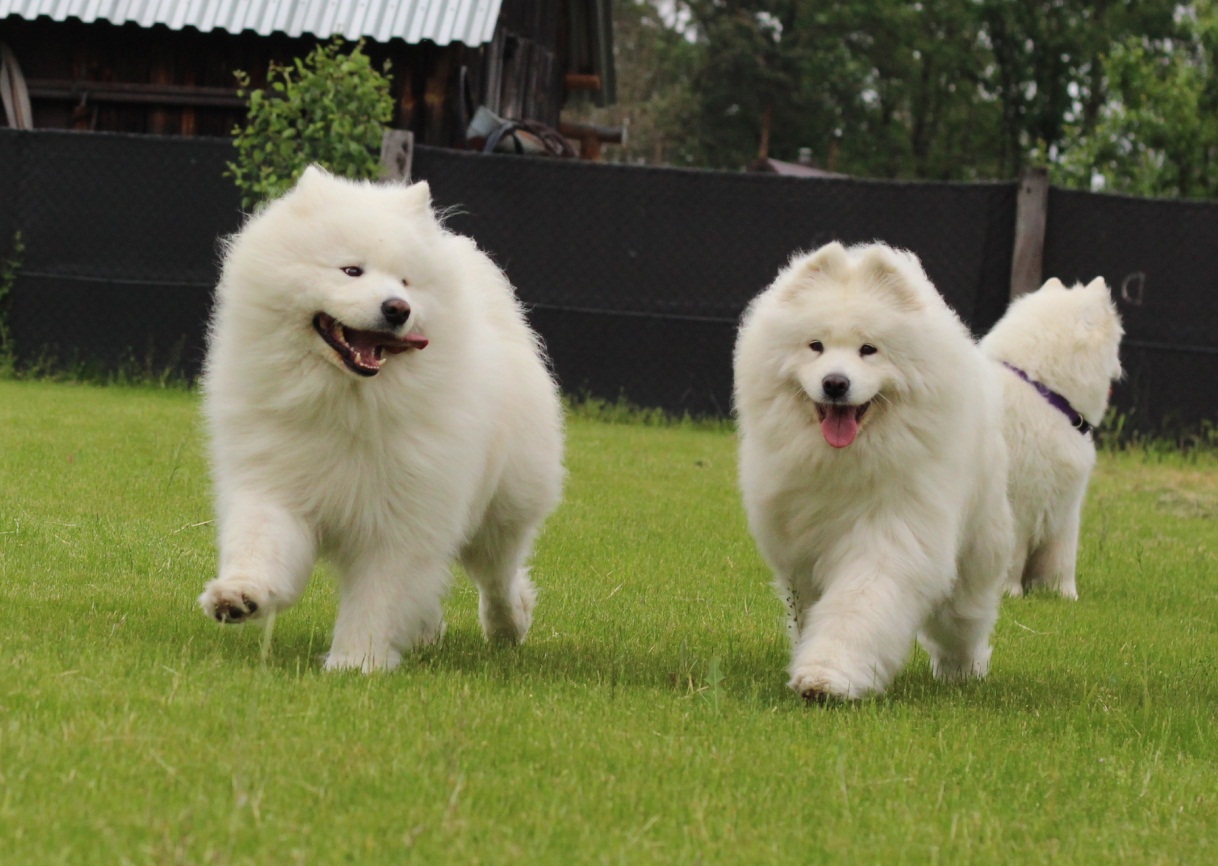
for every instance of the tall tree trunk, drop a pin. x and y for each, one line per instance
(767, 120)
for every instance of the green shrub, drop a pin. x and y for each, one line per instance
(329, 108)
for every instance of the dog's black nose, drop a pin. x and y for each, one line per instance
(396, 311)
(835, 386)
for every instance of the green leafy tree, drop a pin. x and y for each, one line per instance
(954, 89)
(746, 84)
(1047, 64)
(1157, 132)
(904, 87)
(880, 88)
(329, 108)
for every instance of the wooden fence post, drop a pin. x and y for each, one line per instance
(397, 154)
(1031, 213)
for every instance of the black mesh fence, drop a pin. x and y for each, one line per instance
(1153, 254)
(634, 276)
(120, 245)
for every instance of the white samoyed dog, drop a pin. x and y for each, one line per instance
(373, 393)
(1060, 353)
(873, 469)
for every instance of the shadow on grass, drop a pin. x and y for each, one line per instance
(749, 664)
(749, 672)
(752, 670)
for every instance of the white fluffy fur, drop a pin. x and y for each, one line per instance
(907, 530)
(450, 452)
(1069, 340)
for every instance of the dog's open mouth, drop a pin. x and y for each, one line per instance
(363, 351)
(839, 423)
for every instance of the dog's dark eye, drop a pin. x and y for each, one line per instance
(816, 346)
(405, 282)
(353, 271)
(867, 349)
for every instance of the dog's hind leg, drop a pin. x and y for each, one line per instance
(1014, 575)
(957, 634)
(495, 561)
(496, 553)
(266, 557)
(1053, 564)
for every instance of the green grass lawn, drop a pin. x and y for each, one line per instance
(646, 719)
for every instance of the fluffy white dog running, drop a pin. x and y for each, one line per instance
(373, 393)
(873, 469)
(1060, 351)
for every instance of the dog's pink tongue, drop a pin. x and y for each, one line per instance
(365, 344)
(840, 426)
(410, 341)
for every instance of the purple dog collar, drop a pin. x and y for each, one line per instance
(1056, 400)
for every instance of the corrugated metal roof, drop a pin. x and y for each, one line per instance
(441, 21)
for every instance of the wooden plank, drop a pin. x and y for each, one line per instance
(1031, 217)
(397, 154)
(133, 93)
(606, 134)
(492, 88)
(576, 81)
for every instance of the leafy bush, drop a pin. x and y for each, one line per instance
(329, 108)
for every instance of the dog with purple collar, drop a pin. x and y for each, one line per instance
(1059, 350)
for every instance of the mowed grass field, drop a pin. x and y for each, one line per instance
(646, 719)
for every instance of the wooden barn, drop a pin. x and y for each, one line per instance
(166, 66)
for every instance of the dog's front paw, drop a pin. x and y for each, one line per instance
(232, 600)
(385, 659)
(819, 685)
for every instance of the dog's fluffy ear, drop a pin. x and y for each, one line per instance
(417, 197)
(1053, 284)
(1099, 308)
(309, 186)
(829, 264)
(1100, 287)
(830, 261)
(312, 176)
(897, 273)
